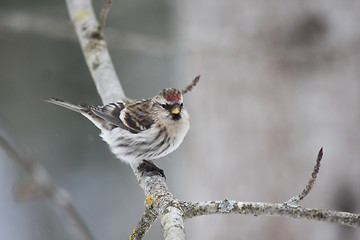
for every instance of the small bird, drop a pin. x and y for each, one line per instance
(140, 130)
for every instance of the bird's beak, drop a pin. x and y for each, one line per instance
(175, 110)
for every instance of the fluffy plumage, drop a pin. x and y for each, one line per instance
(145, 129)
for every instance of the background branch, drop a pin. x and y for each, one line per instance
(58, 29)
(41, 183)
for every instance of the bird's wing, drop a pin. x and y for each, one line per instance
(133, 117)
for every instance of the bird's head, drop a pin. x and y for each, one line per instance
(171, 100)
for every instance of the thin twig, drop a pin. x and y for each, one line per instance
(103, 15)
(312, 180)
(294, 201)
(191, 85)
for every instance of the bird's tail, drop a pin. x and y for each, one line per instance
(85, 110)
(77, 108)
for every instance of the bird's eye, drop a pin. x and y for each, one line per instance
(166, 106)
(181, 105)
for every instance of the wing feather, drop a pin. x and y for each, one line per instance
(133, 117)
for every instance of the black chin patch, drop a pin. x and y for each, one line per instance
(175, 117)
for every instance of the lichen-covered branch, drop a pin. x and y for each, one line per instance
(148, 218)
(110, 90)
(163, 203)
(289, 209)
(160, 203)
(268, 209)
(95, 51)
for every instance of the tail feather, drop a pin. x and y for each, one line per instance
(85, 110)
(73, 107)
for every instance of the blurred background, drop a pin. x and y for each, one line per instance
(279, 80)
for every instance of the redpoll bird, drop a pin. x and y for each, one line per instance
(144, 129)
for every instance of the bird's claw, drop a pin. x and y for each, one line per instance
(149, 169)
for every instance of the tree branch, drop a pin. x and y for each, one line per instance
(41, 183)
(47, 26)
(268, 209)
(163, 203)
(95, 51)
(99, 63)
(289, 209)
(145, 223)
(159, 200)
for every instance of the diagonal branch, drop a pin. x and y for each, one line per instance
(95, 51)
(110, 90)
(161, 200)
(41, 183)
(144, 224)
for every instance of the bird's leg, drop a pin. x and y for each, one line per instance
(148, 169)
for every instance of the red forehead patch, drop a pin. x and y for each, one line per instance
(172, 97)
